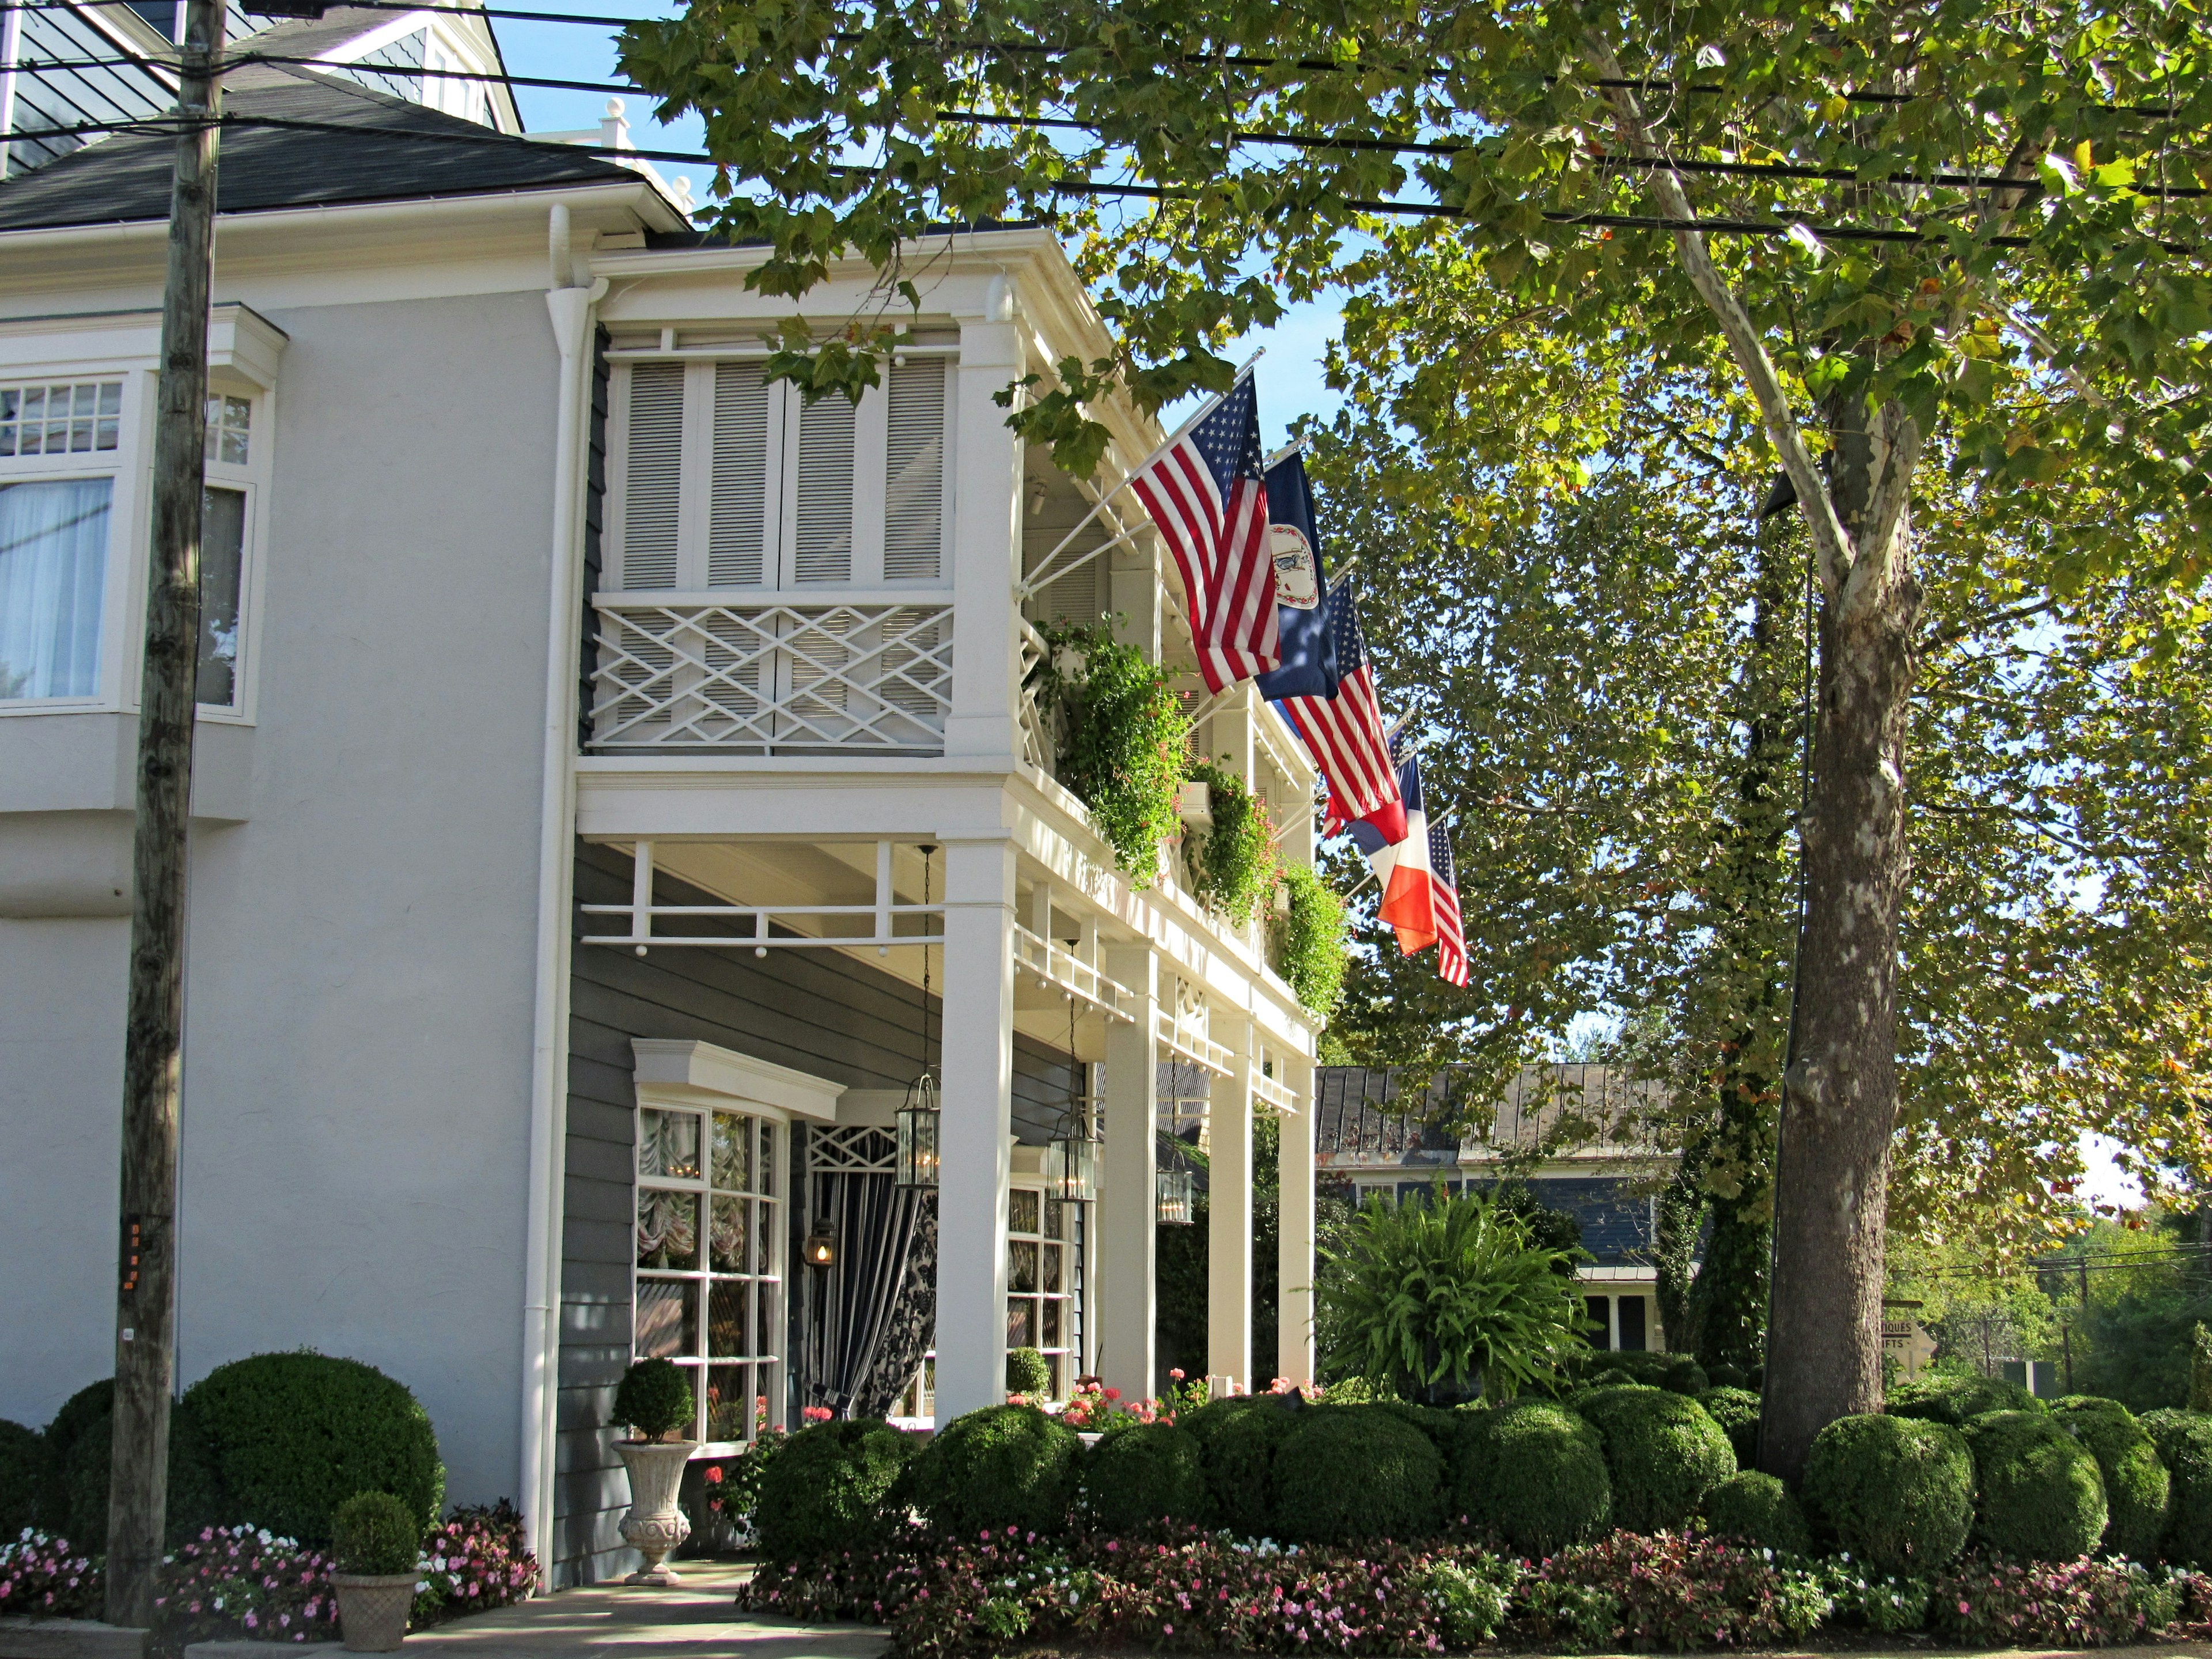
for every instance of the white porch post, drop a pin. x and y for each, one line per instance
(1128, 1200)
(977, 1094)
(1294, 1339)
(1228, 1218)
(985, 542)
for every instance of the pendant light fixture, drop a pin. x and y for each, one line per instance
(919, 1118)
(1072, 1156)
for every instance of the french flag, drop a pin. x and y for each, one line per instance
(1420, 888)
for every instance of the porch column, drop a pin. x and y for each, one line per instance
(1128, 1199)
(1294, 1341)
(1228, 1218)
(984, 546)
(975, 1158)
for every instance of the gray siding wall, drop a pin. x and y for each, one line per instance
(816, 1010)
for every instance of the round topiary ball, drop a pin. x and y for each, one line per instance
(1897, 1492)
(1533, 1473)
(1736, 1410)
(2038, 1494)
(1028, 1371)
(1238, 1440)
(828, 1488)
(2136, 1487)
(1004, 1466)
(654, 1400)
(1142, 1476)
(1953, 1400)
(1346, 1474)
(2184, 1439)
(292, 1436)
(1663, 1452)
(373, 1532)
(1757, 1509)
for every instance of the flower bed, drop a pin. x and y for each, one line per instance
(243, 1583)
(1200, 1592)
(48, 1578)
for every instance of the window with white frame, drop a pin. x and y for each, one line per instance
(725, 481)
(226, 528)
(60, 444)
(710, 1262)
(1044, 1246)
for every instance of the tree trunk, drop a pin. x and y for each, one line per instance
(1840, 1102)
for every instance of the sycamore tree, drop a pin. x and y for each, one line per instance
(1895, 219)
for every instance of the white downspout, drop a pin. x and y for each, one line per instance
(570, 307)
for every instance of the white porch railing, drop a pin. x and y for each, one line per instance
(1179, 1038)
(789, 678)
(1053, 963)
(1037, 746)
(1270, 1092)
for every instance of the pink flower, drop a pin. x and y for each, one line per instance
(1175, 1375)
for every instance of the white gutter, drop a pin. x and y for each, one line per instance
(570, 308)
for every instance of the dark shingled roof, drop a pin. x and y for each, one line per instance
(386, 149)
(1358, 1111)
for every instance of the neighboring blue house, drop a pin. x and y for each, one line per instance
(1569, 1127)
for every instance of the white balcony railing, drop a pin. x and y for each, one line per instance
(785, 678)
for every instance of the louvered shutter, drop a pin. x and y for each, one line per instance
(737, 519)
(653, 461)
(822, 542)
(913, 471)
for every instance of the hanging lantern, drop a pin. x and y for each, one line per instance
(1178, 1202)
(919, 1123)
(1071, 1164)
(819, 1248)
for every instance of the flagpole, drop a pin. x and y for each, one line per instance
(1038, 579)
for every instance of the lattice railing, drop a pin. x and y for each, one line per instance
(1038, 748)
(783, 678)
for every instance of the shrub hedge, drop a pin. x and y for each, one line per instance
(2136, 1487)
(289, 1436)
(828, 1488)
(2184, 1439)
(1237, 1441)
(2038, 1494)
(1897, 1492)
(1663, 1451)
(1347, 1474)
(27, 1476)
(1143, 1476)
(1757, 1509)
(1953, 1400)
(1533, 1473)
(82, 1475)
(1005, 1466)
(1736, 1410)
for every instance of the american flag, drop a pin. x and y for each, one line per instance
(1420, 896)
(1207, 492)
(1346, 735)
(1443, 888)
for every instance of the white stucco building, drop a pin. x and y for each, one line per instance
(596, 747)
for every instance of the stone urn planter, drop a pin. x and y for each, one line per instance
(654, 1525)
(373, 1608)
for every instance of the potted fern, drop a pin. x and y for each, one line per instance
(655, 1401)
(378, 1544)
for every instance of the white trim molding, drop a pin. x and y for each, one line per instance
(680, 1071)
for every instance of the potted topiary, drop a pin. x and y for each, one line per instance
(377, 1543)
(655, 1401)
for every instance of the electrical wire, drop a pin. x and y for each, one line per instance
(1304, 141)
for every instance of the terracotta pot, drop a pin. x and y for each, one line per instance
(654, 1525)
(373, 1608)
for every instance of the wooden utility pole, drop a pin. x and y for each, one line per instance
(153, 1059)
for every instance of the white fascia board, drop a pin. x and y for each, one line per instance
(243, 345)
(681, 1072)
(622, 799)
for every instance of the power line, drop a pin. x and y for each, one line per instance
(1306, 141)
(1202, 59)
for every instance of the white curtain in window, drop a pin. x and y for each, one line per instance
(53, 573)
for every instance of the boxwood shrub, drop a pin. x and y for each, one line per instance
(1663, 1452)
(1953, 1400)
(77, 1504)
(1736, 1410)
(1004, 1466)
(2184, 1439)
(2038, 1495)
(289, 1436)
(1347, 1474)
(1678, 1372)
(1533, 1473)
(1142, 1476)
(2136, 1487)
(827, 1488)
(1757, 1509)
(1238, 1440)
(1897, 1492)
(27, 1475)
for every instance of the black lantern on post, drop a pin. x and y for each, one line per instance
(919, 1121)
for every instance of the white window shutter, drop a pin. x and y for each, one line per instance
(913, 471)
(653, 472)
(738, 520)
(822, 543)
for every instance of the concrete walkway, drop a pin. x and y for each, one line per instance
(697, 1618)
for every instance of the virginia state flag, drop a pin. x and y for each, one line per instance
(1303, 633)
